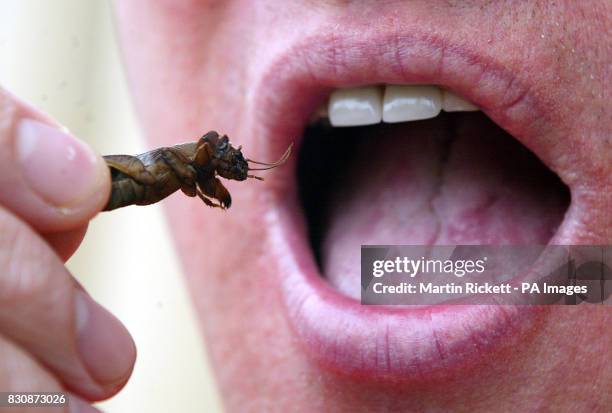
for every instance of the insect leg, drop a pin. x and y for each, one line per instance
(189, 190)
(214, 188)
(184, 171)
(208, 201)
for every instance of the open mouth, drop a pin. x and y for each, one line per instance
(396, 163)
(455, 178)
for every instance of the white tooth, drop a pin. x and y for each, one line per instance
(454, 103)
(355, 106)
(413, 102)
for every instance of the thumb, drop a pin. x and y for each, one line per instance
(50, 179)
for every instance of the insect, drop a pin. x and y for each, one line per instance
(192, 167)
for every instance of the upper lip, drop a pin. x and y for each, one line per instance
(406, 343)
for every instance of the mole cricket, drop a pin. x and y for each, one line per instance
(192, 167)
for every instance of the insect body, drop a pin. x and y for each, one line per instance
(191, 167)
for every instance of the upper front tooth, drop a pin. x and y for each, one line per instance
(355, 106)
(454, 103)
(405, 103)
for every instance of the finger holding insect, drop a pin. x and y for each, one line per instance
(48, 178)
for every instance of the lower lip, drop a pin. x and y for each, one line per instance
(407, 344)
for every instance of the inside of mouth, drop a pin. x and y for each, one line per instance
(454, 179)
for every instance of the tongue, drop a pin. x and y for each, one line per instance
(458, 180)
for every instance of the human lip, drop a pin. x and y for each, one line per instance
(413, 343)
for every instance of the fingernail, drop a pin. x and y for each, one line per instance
(61, 169)
(77, 405)
(105, 346)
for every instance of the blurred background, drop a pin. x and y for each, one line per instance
(62, 56)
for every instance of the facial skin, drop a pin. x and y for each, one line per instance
(200, 65)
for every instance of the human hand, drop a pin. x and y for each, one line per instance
(53, 335)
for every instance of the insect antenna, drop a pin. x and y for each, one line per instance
(267, 166)
(263, 169)
(281, 161)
